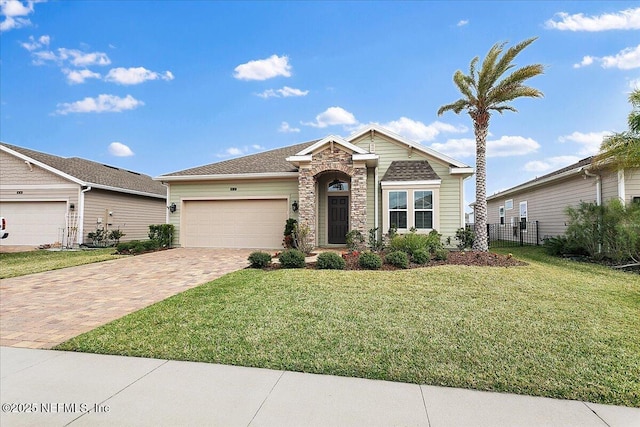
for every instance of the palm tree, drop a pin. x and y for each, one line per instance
(622, 150)
(485, 91)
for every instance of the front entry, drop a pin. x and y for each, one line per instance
(338, 219)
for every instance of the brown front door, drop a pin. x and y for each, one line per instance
(338, 219)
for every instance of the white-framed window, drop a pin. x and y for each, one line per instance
(501, 214)
(423, 209)
(523, 215)
(338, 186)
(508, 204)
(398, 209)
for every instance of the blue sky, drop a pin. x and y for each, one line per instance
(162, 86)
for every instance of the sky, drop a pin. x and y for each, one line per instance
(161, 86)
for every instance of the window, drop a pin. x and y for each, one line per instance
(337, 185)
(423, 209)
(508, 204)
(501, 214)
(398, 209)
(523, 215)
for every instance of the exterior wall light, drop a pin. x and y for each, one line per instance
(294, 206)
(172, 207)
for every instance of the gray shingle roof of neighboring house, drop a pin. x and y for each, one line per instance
(96, 173)
(271, 161)
(410, 170)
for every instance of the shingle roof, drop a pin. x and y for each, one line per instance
(410, 170)
(266, 162)
(91, 172)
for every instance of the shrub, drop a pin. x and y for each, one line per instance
(441, 255)
(370, 261)
(434, 241)
(124, 247)
(289, 227)
(408, 243)
(330, 261)
(302, 238)
(421, 256)
(465, 237)
(376, 243)
(259, 259)
(115, 235)
(398, 259)
(136, 247)
(292, 258)
(162, 233)
(355, 241)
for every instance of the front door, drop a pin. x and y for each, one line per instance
(338, 219)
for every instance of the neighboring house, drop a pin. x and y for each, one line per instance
(374, 178)
(49, 199)
(546, 198)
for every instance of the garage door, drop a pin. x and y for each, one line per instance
(234, 223)
(33, 223)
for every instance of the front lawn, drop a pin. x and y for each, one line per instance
(21, 263)
(551, 328)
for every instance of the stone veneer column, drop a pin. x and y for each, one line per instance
(307, 202)
(359, 199)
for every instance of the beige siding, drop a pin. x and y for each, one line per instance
(632, 184)
(15, 171)
(130, 213)
(450, 212)
(609, 186)
(547, 204)
(180, 191)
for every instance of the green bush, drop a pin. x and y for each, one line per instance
(434, 241)
(370, 261)
(330, 261)
(376, 243)
(421, 256)
(398, 259)
(441, 255)
(135, 247)
(465, 237)
(355, 241)
(124, 247)
(259, 259)
(292, 258)
(408, 243)
(162, 233)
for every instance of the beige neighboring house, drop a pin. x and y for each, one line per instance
(545, 198)
(48, 199)
(373, 178)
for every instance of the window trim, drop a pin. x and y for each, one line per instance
(501, 216)
(508, 204)
(526, 214)
(405, 210)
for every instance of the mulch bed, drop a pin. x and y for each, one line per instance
(475, 259)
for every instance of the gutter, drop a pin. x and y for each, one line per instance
(80, 236)
(598, 185)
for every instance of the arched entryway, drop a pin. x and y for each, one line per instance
(334, 207)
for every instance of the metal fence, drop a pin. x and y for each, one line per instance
(517, 234)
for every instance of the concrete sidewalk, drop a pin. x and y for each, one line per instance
(51, 388)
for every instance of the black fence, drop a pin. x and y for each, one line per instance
(517, 234)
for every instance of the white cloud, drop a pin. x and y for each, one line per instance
(626, 59)
(118, 149)
(552, 163)
(506, 146)
(462, 23)
(135, 75)
(83, 59)
(34, 44)
(13, 11)
(634, 84)
(79, 76)
(418, 131)
(101, 104)
(625, 20)
(333, 116)
(590, 142)
(240, 151)
(263, 69)
(285, 92)
(286, 128)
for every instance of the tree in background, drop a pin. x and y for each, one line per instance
(622, 150)
(485, 91)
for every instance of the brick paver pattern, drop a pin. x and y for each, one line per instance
(45, 309)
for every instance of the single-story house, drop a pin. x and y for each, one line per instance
(544, 199)
(371, 179)
(48, 199)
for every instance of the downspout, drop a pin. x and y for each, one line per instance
(81, 218)
(598, 185)
(621, 189)
(168, 202)
(376, 215)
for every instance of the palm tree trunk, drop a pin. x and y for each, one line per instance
(481, 127)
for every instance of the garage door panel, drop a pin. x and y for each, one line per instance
(33, 223)
(234, 223)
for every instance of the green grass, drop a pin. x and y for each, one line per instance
(21, 263)
(552, 328)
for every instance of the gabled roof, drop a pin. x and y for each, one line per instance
(89, 173)
(573, 169)
(410, 170)
(267, 163)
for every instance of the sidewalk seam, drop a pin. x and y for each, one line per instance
(119, 391)
(596, 414)
(35, 364)
(266, 397)
(424, 403)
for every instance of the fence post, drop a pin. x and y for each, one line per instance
(537, 233)
(488, 235)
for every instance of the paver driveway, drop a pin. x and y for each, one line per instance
(44, 309)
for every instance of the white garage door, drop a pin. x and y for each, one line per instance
(234, 223)
(33, 223)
